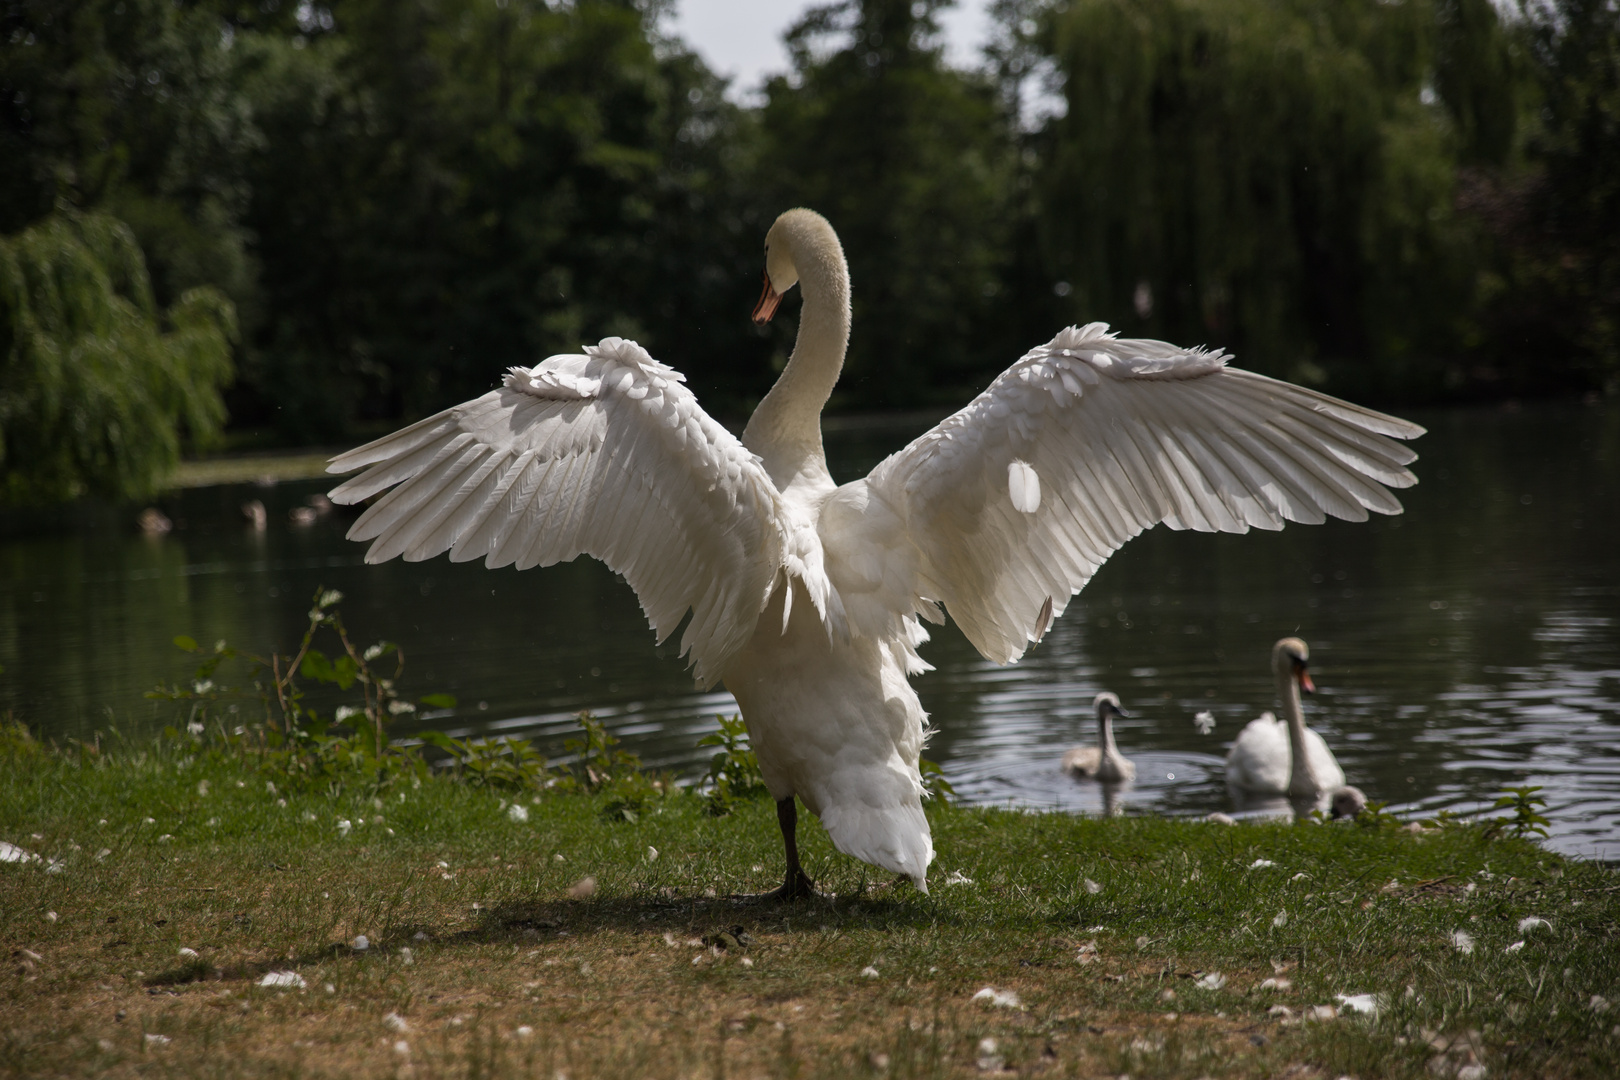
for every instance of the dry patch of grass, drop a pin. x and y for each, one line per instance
(698, 988)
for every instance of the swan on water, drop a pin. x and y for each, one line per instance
(1284, 758)
(807, 597)
(1104, 761)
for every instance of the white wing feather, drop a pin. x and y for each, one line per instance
(1122, 435)
(605, 454)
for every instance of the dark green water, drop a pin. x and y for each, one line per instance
(1469, 644)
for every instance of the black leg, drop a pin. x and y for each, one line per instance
(797, 883)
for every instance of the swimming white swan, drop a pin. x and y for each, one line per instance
(1284, 757)
(807, 596)
(1104, 761)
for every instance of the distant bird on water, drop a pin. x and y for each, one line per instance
(1275, 757)
(808, 597)
(1104, 761)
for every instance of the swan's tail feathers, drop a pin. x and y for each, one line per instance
(893, 836)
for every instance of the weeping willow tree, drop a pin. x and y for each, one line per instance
(1273, 176)
(98, 388)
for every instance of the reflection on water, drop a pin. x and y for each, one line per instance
(1467, 645)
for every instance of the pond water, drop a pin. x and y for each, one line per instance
(1470, 644)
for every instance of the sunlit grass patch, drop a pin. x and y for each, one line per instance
(1125, 945)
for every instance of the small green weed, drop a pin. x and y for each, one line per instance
(935, 786)
(733, 773)
(292, 736)
(15, 742)
(602, 768)
(1527, 820)
(509, 763)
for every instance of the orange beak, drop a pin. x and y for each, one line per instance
(767, 302)
(1305, 683)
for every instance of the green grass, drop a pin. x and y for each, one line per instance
(158, 849)
(283, 465)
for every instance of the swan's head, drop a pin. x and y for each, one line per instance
(1348, 802)
(1107, 705)
(797, 238)
(1291, 657)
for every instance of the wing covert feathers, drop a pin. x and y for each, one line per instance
(1105, 437)
(604, 454)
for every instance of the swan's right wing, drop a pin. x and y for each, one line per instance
(605, 454)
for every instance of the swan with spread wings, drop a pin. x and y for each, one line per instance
(808, 598)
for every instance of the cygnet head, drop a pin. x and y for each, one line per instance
(796, 238)
(1348, 802)
(1291, 657)
(1107, 704)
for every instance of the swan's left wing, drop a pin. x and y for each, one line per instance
(604, 454)
(1007, 508)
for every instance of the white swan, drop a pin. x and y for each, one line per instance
(1275, 757)
(1104, 761)
(807, 597)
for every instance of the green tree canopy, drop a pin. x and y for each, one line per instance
(1276, 178)
(912, 163)
(400, 198)
(98, 389)
(497, 182)
(1569, 239)
(129, 107)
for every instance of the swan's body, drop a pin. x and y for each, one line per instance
(1104, 761)
(1284, 758)
(806, 596)
(1261, 762)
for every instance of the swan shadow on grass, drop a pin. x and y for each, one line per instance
(881, 905)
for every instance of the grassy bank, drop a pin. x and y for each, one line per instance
(562, 944)
(247, 468)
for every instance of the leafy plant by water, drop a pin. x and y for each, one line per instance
(1527, 819)
(506, 763)
(265, 710)
(935, 786)
(293, 736)
(601, 766)
(733, 773)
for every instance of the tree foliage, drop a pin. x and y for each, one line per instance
(912, 163)
(1570, 242)
(1274, 178)
(502, 182)
(98, 388)
(130, 107)
(400, 198)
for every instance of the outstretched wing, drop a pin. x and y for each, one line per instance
(1008, 507)
(605, 454)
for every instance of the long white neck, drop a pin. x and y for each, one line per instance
(785, 430)
(1105, 735)
(1302, 779)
